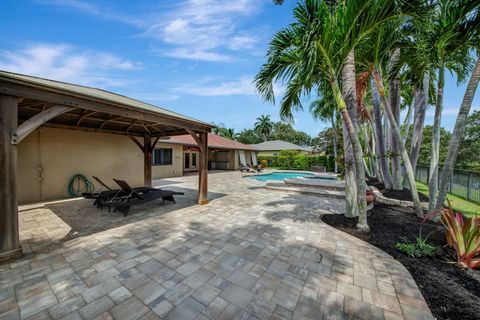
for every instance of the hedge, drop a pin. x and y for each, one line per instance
(298, 162)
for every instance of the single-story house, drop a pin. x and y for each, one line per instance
(223, 153)
(273, 148)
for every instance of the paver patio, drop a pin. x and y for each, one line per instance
(249, 254)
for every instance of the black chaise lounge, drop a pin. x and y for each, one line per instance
(133, 197)
(102, 198)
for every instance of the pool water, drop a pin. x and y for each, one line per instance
(282, 175)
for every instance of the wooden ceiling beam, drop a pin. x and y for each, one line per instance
(85, 115)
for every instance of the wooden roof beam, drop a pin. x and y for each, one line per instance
(36, 121)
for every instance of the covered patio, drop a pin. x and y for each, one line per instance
(27, 103)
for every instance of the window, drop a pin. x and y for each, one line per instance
(194, 159)
(162, 157)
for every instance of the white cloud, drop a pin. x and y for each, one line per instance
(95, 10)
(192, 54)
(66, 63)
(203, 30)
(242, 86)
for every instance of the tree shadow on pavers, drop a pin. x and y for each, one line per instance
(61, 221)
(165, 182)
(303, 208)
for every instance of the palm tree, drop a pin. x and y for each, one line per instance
(470, 29)
(317, 48)
(449, 51)
(324, 109)
(263, 126)
(228, 133)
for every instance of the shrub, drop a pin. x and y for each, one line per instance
(463, 235)
(264, 163)
(417, 249)
(298, 162)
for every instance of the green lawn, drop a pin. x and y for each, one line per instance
(466, 207)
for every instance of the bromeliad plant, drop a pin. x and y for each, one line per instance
(463, 235)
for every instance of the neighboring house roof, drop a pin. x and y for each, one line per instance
(214, 141)
(96, 94)
(279, 145)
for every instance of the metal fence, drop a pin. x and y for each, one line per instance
(465, 184)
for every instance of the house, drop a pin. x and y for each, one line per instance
(223, 153)
(273, 148)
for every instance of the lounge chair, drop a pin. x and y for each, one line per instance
(245, 168)
(102, 198)
(133, 197)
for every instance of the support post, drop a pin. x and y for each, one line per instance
(203, 169)
(148, 158)
(9, 232)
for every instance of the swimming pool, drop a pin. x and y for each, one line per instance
(282, 175)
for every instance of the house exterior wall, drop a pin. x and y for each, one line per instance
(166, 171)
(48, 158)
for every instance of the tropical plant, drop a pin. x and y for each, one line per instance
(417, 249)
(263, 126)
(463, 235)
(228, 133)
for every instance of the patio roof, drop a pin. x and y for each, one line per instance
(93, 109)
(214, 141)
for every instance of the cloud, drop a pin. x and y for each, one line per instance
(447, 112)
(202, 30)
(67, 63)
(242, 86)
(192, 54)
(95, 10)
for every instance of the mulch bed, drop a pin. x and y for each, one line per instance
(404, 194)
(450, 291)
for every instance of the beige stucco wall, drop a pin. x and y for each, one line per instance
(174, 170)
(55, 155)
(276, 153)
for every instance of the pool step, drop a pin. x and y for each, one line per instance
(277, 186)
(334, 185)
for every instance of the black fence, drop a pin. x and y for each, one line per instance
(465, 184)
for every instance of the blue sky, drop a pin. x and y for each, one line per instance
(196, 57)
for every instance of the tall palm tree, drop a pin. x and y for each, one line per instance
(470, 29)
(264, 126)
(318, 47)
(449, 50)
(324, 109)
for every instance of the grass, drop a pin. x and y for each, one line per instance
(466, 207)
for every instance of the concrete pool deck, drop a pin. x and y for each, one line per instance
(249, 254)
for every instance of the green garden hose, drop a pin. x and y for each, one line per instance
(79, 184)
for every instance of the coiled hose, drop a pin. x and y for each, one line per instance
(79, 184)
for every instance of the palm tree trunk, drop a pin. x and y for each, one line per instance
(381, 151)
(394, 96)
(398, 136)
(457, 135)
(350, 120)
(334, 133)
(420, 107)
(368, 147)
(408, 118)
(435, 154)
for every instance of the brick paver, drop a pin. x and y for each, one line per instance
(249, 254)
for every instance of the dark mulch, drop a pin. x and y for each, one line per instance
(404, 194)
(450, 291)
